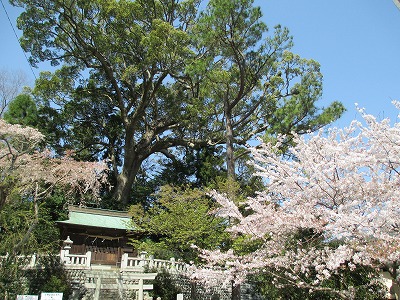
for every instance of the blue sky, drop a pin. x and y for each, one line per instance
(357, 43)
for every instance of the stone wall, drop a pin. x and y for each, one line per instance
(81, 279)
(199, 291)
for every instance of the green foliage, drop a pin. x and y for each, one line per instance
(177, 220)
(15, 219)
(11, 277)
(7, 188)
(193, 167)
(359, 279)
(164, 286)
(245, 245)
(229, 187)
(259, 84)
(49, 276)
(22, 110)
(17, 216)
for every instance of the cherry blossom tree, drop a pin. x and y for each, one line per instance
(341, 186)
(34, 173)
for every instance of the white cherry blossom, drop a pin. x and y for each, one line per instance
(343, 185)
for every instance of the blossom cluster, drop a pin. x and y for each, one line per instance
(341, 185)
(37, 171)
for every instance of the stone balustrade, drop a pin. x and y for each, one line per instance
(28, 261)
(75, 260)
(138, 264)
(142, 261)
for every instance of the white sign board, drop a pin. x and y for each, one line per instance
(27, 297)
(51, 296)
(179, 297)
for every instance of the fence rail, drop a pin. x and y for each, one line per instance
(141, 262)
(128, 263)
(28, 261)
(76, 260)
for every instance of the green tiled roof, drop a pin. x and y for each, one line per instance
(98, 218)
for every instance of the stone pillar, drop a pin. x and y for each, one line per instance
(142, 262)
(88, 258)
(32, 262)
(140, 292)
(124, 261)
(151, 262)
(96, 295)
(64, 256)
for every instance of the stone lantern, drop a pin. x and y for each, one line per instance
(68, 243)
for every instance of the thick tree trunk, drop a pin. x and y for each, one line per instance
(3, 197)
(125, 181)
(130, 168)
(235, 291)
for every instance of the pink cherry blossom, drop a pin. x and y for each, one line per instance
(343, 184)
(34, 173)
(38, 171)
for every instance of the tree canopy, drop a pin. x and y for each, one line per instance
(22, 110)
(178, 219)
(138, 78)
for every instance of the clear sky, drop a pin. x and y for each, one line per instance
(357, 43)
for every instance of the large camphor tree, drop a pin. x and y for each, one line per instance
(253, 82)
(138, 78)
(332, 205)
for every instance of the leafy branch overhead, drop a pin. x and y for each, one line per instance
(138, 78)
(178, 219)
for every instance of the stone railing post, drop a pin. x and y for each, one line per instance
(142, 262)
(64, 256)
(88, 258)
(32, 262)
(124, 261)
(172, 260)
(151, 261)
